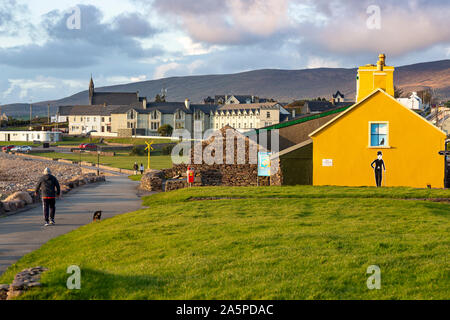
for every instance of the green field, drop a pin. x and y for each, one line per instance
(137, 177)
(16, 143)
(137, 141)
(257, 243)
(120, 160)
(75, 141)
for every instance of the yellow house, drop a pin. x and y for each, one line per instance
(345, 147)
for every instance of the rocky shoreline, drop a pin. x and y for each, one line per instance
(21, 174)
(18, 178)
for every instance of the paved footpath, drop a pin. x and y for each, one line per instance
(25, 232)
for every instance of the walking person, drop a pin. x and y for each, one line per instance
(378, 166)
(141, 168)
(135, 168)
(49, 188)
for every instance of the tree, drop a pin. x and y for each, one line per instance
(160, 98)
(398, 92)
(427, 96)
(165, 130)
(447, 104)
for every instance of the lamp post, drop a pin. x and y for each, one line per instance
(31, 112)
(98, 162)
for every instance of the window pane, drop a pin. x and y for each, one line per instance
(382, 129)
(374, 128)
(374, 140)
(382, 140)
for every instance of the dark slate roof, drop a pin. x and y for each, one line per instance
(321, 106)
(115, 98)
(94, 110)
(172, 107)
(338, 93)
(285, 117)
(243, 99)
(163, 107)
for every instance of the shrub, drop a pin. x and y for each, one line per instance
(167, 150)
(136, 151)
(165, 130)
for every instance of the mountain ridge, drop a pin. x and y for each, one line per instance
(280, 84)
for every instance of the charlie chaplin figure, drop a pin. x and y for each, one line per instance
(378, 166)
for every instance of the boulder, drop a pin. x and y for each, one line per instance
(18, 203)
(152, 180)
(9, 206)
(4, 288)
(22, 196)
(5, 206)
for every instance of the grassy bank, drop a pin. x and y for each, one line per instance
(257, 243)
(121, 160)
(75, 141)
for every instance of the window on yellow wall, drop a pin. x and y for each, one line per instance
(379, 134)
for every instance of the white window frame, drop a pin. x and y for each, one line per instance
(386, 145)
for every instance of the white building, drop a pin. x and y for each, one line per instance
(41, 136)
(59, 119)
(414, 102)
(86, 119)
(245, 117)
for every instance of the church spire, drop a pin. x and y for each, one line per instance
(91, 91)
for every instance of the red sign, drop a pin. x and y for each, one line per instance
(190, 175)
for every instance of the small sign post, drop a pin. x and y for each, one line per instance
(149, 149)
(263, 165)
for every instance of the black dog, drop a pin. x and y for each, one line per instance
(97, 215)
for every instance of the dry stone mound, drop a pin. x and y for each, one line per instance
(22, 196)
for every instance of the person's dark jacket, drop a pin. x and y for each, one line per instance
(49, 187)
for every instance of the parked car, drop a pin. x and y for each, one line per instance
(21, 149)
(90, 146)
(87, 146)
(25, 149)
(8, 148)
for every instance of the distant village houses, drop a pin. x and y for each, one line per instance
(235, 99)
(127, 114)
(318, 106)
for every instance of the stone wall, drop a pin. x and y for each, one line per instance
(245, 174)
(23, 281)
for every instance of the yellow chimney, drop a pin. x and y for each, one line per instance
(371, 77)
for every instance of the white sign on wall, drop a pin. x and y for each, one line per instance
(327, 162)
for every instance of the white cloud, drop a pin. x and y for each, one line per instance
(25, 85)
(191, 48)
(318, 62)
(122, 79)
(178, 68)
(28, 89)
(161, 71)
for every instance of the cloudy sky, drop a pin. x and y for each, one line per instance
(48, 48)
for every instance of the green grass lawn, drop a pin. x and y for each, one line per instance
(75, 141)
(259, 243)
(121, 160)
(17, 143)
(137, 141)
(137, 177)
